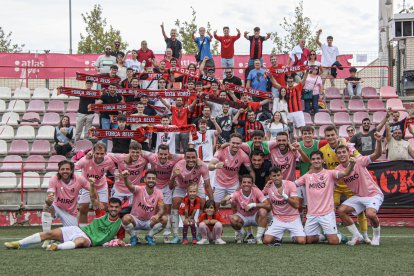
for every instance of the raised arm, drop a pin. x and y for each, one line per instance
(382, 123)
(163, 31)
(235, 120)
(164, 102)
(128, 183)
(318, 34)
(202, 65)
(378, 147)
(388, 135)
(93, 193)
(217, 126)
(246, 35)
(210, 35)
(194, 37)
(267, 36)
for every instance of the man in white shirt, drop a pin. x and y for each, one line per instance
(330, 55)
(133, 63)
(165, 138)
(104, 62)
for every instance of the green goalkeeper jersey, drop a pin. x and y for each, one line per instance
(304, 167)
(102, 230)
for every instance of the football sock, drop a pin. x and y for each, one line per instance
(67, 245)
(175, 221)
(377, 231)
(260, 232)
(46, 221)
(35, 238)
(130, 229)
(185, 231)
(168, 227)
(156, 229)
(353, 230)
(193, 231)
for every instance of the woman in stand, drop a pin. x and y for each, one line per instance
(312, 89)
(274, 126)
(63, 137)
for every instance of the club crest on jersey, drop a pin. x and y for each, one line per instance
(237, 161)
(72, 190)
(153, 200)
(321, 177)
(286, 158)
(102, 170)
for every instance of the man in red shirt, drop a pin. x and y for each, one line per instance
(227, 47)
(256, 45)
(146, 54)
(179, 118)
(294, 103)
(280, 78)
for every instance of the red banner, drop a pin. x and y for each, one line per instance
(138, 119)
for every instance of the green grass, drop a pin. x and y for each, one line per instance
(395, 256)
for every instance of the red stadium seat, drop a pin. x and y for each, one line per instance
(337, 105)
(53, 162)
(333, 93)
(40, 147)
(395, 104)
(308, 118)
(73, 106)
(369, 93)
(12, 166)
(356, 105)
(57, 106)
(388, 92)
(322, 131)
(375, 105)
(19, 147)
(342, 131)
(359, 116)
(342, 118)
(82, 145)
(51, 118)
(40, 164)
(378, 116)
(322, 118)
(36, 106)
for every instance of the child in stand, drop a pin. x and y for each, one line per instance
(188, 209)
(210, 224)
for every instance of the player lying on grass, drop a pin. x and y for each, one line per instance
(147, 211)
(98, 232)
(367, 195)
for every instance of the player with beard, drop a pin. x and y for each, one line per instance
(367, 195)
(147, 208)
(260, 166)
(96, 164)
(185, 173)
(320, 185)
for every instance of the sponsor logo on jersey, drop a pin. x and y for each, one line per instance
(65, 200)
(319, 185)
(146, 208)
(351, 178)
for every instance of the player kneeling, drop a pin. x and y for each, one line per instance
(285, 203)
(250, 208)
(98, 232)
(147, 211)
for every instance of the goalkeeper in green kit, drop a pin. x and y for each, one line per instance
(99, 231)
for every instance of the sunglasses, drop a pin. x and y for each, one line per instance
(313, 54)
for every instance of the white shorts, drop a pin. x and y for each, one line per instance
(180, 192)
(361, 203)
(297, 118)
(84, 195)
(302, 194)
(121, 196)
(167, 194)
(277, 228)
(71, 233)
(141, 224)
(248, 220)
(220, 192)
(327, 222)
(66, 218)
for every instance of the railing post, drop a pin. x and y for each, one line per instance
(22, 185)
(27, 77)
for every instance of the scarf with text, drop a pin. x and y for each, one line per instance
(95, 78)
(138, 119)
(78, 92)
(111, 107)
(286, 70)
(218, 100)
(187, 73)
(250, 91)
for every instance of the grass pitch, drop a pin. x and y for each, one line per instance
(395, 256)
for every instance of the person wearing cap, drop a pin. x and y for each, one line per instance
(104, 62)
(116, 51)
(84, 118)
(146, 54)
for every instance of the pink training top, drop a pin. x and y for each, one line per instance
(241, 201)
(281, 209)
(228, 176)
(135, 171)
(360, 180)
(189, 177)
(66, 195)
(144, 206)
(286, 162)
(319, 191)
(91, 169)
(163, 170)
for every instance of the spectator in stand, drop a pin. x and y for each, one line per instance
(231, 78)
(146, 54)
(299, 54)
(329, 59)
(126, 82)
(148, 81)
(256, 45)
(365, 141)
(116, 52)
(294, 102)
(353, 83)
(200, 102)
(258, 79)
(313, 88)
(350, 132)
(280, 78)
(122, 70)
(227, 47)
(104, 62)
(397, 124)
(113, 71)
(280, 104)
(148, 109)
(166, 75)
(168, 57)
(398, 148)
(111, 97)
(312, 62)
(274, 126)
(224, 120)
(63, 137)
(121, 145)
(133, 62)
(84, 118)
(249, 125)
(203, 44)
(172, 42)
(206, 115)
(133, 85)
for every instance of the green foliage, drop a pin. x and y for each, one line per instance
(185, 34)
(96, 36)
(296, 27)
(6, 45)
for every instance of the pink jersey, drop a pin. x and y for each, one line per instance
(281, 209)
(188, 177)
(241, 201)
(135, 171)
(286, 162)
(66, 195)
(163, 170)
(144, 206)
(319, 191)
(91, 169)
(228, 176)
(360, 180)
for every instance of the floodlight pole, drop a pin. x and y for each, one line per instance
(70, 26)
